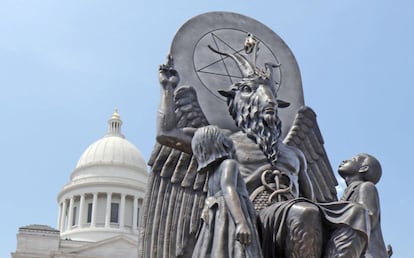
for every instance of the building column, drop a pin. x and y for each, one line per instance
(70, 217)
(122, 212)
(108, 209)
(62, 220)
(81, 210)
(94, 207)
(135, 214)
(59, 216)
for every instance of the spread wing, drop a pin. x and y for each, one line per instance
(175, 192)
(305, 135)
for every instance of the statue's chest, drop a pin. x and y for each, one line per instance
(248, 154)
(287, 160)
(251, 157)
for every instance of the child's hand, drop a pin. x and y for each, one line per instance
(243, 233)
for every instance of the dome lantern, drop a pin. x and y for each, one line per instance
(115, 123)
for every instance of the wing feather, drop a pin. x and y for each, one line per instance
(174, 226)
(314, 177)
(180, 168)
(198, 205)
(169, 219)
(175, 192)
(200, 181)
(155, 153)
(149, 204)
(160, 159)
(191, 174)
(162, 223)
(184, 237)
(305, 135)
(170, 162)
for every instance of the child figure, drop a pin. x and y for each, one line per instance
(228, 218)
(361, 173)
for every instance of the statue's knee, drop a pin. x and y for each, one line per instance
(304, 231)
(305, 217)
(305, 211)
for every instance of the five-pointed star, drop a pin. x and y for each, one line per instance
(219, 67)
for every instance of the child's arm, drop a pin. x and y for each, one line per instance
(229, 173)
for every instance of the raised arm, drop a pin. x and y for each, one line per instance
(168, 132)
(168, 78)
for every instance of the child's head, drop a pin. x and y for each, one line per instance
(366, 166)
(209, 144)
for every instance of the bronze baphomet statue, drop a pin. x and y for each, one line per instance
(249, 192)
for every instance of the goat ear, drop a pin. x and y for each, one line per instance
(228, 94)
(282, 104)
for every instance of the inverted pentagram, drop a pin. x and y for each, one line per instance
(209, 72)
(218, 69)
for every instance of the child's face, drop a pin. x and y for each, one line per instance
(352, 166)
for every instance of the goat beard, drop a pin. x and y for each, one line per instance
(262, 128)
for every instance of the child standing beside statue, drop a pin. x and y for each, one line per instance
(228, 218)
(361, 173)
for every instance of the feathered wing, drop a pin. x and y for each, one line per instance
(175, 191)
(305, 135)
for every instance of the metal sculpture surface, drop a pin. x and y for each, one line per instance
(287, 174)
(228, 218)
(207, 73)
(361, 173)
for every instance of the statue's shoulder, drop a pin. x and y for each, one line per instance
(291, 150)
(241, 138)
(367, 187)
(229, 164)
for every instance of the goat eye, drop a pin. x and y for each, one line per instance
(246, 89)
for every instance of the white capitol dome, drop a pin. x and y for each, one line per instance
(106, 189)
(112, 149)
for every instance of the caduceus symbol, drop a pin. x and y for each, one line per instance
(278, 190)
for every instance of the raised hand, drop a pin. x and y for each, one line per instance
(168, 76)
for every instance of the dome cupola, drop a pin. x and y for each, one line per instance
(115, 125)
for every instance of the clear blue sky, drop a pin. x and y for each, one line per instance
(65, 66)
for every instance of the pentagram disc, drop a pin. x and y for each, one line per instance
(209, 72)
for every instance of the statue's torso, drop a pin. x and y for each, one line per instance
(253, 163)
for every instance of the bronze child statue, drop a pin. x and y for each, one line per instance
(361, 173)
(228, 218)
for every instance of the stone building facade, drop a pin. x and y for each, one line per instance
(99, 209)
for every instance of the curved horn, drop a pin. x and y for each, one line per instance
(245, 67)
(228, 94)
(269, 69)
